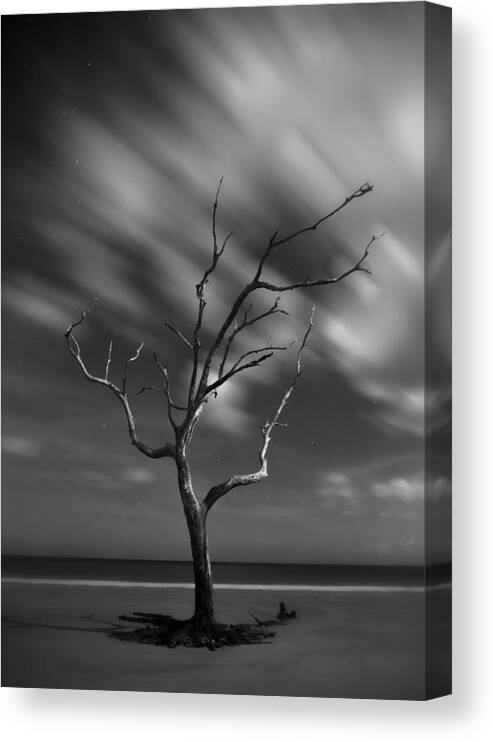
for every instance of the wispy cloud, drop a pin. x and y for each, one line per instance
(338, 493)
(37, 302)
(20, 446)
(138, 475)
(400, 489)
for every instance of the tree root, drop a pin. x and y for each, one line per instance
(166, 631)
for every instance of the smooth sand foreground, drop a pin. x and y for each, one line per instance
(360, 645)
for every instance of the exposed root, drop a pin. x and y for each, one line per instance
(167, 631)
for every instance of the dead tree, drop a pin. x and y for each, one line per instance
(204, 384)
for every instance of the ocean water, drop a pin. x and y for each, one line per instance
(226, 575)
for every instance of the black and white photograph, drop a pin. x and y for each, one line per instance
(226, 351)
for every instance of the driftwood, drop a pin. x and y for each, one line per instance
(283, 614)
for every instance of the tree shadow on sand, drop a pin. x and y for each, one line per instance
(161, 630)
(18, 623)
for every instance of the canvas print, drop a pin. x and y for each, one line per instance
(226, 351)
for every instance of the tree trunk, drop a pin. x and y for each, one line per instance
(203, 618)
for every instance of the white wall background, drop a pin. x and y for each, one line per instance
(82, 715)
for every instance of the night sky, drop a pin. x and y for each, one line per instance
(116, 130)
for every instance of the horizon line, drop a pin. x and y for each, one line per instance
(219, 561)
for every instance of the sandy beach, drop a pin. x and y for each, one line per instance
(344, 644)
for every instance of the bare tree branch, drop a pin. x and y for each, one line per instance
(274, 242)
(167, 392)
(217, 251)
(109, 360)
(179, 334)
(248, 323)
(225, 242)
(198, 393)
(218, 340)
(238, 367)
(241, 480)
(256, 283)
(358, 193)
(154, 453)
(165, 389)
(236, 364)
(160, 390)
(127, 363)
(226, 377)
(147, 389)
(214, 212)
(308, 283)
(199, 290)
